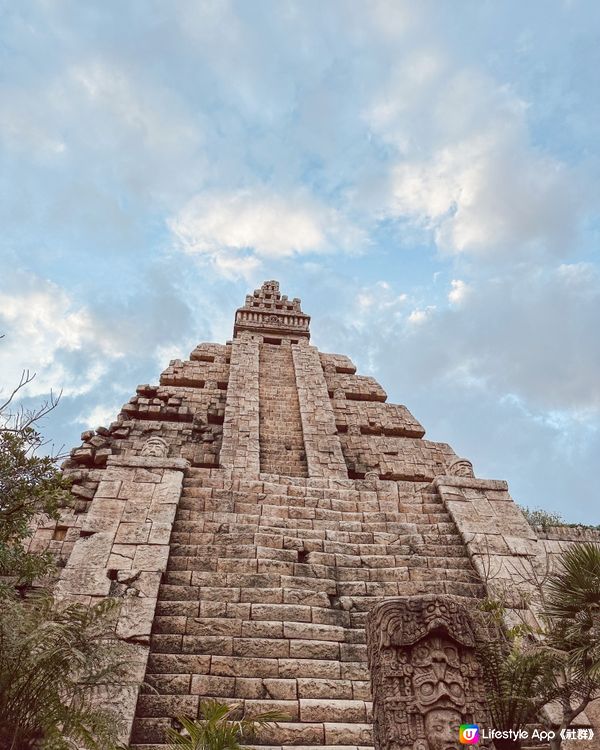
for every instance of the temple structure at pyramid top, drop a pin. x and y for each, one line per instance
(271, 313)
(251, 509)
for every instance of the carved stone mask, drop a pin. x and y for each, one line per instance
(437, 676)
(155, 447)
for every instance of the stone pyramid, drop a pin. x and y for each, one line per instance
(250, 510)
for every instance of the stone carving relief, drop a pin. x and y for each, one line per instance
(461, 467)
(426, 678)
(155, 447)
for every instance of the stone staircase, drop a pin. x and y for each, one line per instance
(281, 440)
(267, 590)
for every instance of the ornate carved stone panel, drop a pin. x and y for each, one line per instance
(426, 679)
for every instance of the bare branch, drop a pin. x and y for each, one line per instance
(26, 378)
(23, 417)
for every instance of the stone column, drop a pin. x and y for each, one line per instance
(122, 551)
(426, 679)
(240, 449)
(322, 445)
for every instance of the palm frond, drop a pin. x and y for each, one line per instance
(218, 728)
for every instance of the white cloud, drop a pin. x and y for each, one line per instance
(100, 415)
(420, 316)
(458, 291)
(379, 296)
(236, 230)
(465, 169)
(531, 334)
(487, 195)
(155, 116)
(46, 333)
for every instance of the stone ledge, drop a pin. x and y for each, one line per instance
(471, 483)
(149, 462)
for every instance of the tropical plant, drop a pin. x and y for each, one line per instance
(519, 679)
(218, 729)
(54, 662)
(573, 604)
(530, 669)
(30, 486)
(572, 617)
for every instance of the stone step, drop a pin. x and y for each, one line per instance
(210, 686)
(225, 594)
(316, 528)
(299, 640)
(303, 543)
(154, 730)
(272, 613)
(306, 710)
(199, 498)
(222, 559)
(210, 531)
(257, 668)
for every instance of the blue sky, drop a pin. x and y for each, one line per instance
(425, 176)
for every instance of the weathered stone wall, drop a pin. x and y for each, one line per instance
(323, 447)
(241, 447)
(250, 518)
(121, 550)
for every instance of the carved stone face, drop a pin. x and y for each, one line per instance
(441, 729)
(461, 467)
(155, 447)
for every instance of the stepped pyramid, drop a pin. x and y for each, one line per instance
(250, 510)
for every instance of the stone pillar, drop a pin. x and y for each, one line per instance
(122, 551)
(240, 448)
(322, 445)
(426, 680)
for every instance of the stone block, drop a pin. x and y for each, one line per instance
(83, 582)
(327, 709)
(133, 533)
(212, 686)
(135, 618)
(151, 557)
(91, 551)
(280, 689)
(108, 488)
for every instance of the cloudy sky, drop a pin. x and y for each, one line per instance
(425, 176)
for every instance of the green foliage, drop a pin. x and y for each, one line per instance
(53, 661)
(519, 679)
(30, 486)
(542, 518)
(217, 729)
(526, 668)
(573, 606)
